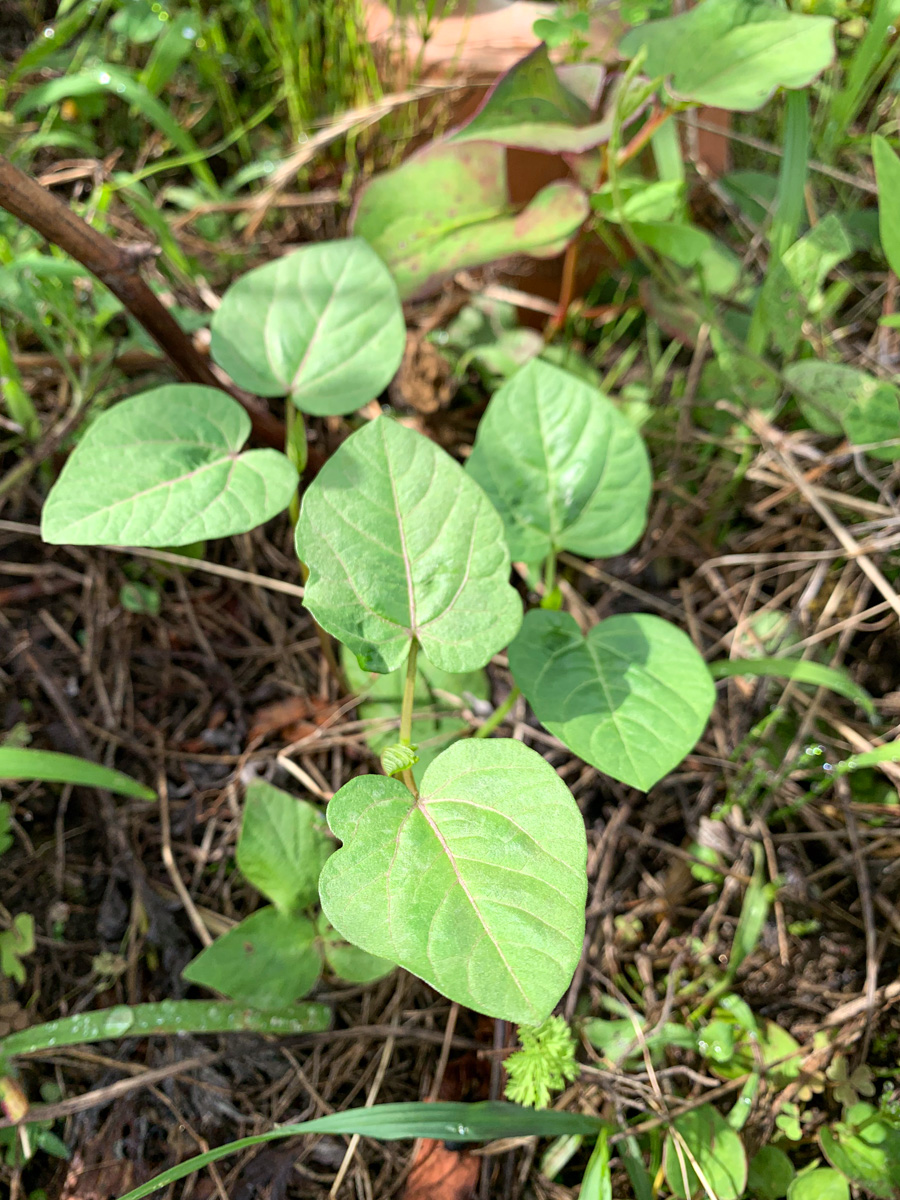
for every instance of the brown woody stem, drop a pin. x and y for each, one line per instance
(118, 268)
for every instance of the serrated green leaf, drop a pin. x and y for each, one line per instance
(283, 845)
(562, 466)
(733, 55)
(714, 1147)
(267, 961)
(438, 696)
(631, 698)
(478, 887)
(402, 544)
(448, 207)
(530, 107)
(323, 325)
(17, 762)
(163, 469)
(801, 670)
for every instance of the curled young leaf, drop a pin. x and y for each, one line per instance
(165, 468)
(438, 700)
(400, 544)
(563, 467)
(397, 758)
(478, 886)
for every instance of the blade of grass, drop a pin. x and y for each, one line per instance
(175, 43)
(789, 198)
(801, 671)
(107, 79)
(869, 758)
(597, 1181)
(444, 1120)
(18, 403)
(55, 36)
(872, 58)
(789, 202)
(163, 1017)
(51, 767)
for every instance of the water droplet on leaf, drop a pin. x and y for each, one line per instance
(118, 1021)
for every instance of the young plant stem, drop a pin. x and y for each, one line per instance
(657, 118)
(499, 715)
(549, 574)
(566, 291)
(118, 268)
(406, 711)
(295, 447)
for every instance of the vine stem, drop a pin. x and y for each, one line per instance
(295, 448)
(499, 715)
(406, 711)
(119, 268)
(549, 573)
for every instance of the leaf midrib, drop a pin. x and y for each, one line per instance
(451, 858)
(166, 483)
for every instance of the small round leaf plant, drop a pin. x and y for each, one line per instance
(467, 870)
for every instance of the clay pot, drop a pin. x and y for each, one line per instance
(474, 42)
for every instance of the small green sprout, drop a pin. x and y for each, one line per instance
(543, 1065)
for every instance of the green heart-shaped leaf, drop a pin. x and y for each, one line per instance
(819, 1183)
(531, 107)
(563, 467)
(283, 844)
(401, 544)
(349, 962)
(731, 55)
(322, 325)
(631, 698)
(164, 469)
(478, 887)
(268, 961)
(448, 207)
